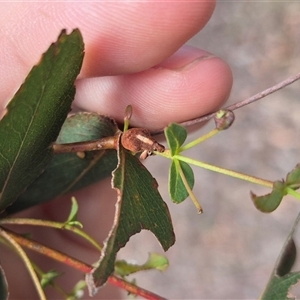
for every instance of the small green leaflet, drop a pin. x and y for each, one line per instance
(180, 174)
(139, 206)
(154, 261)
(270, 202)
(177, 189)
(176, 136)
(293, 178)
(72, 218)
(49, 278)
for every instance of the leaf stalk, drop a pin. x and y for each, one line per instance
(224, 171)
(293, 193)
(14, 243)
(16, 240)
(199, 140)
(52, 224)
(188, 188)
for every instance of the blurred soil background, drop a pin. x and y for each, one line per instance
(229, 251)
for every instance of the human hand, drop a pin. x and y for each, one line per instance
(138, 44)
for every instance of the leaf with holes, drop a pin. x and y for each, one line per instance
(281, 280)
(270, 202)
(139, 206)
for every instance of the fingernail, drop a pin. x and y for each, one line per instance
(194, 62)
(183, 65)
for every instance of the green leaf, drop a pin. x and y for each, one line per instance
(281, 280)
(177, 189)
(68, 172)
(48, 278)
(176, 136)
(139, 206)
(270, 202)
(155, 261)
(78, 291)
(3, 285)
(72, 218)
(278, 288)
(35, 115)
(293, 178)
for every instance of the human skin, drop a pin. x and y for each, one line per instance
(134, 54)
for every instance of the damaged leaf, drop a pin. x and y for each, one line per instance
(139, 206)
(281, 280)
(270, 202)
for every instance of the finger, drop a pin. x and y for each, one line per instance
(119, 37)
(187, 85)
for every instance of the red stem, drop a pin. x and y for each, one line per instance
(54, 254)
(79, 265)
(133, 289)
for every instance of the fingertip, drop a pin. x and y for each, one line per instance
(189, 84)
(196, 89)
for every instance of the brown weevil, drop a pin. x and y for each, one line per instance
(140, 140)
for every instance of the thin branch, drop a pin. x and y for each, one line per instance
(12, 241)
(54, 254)
(240, 104)
(51, 224)
(133, 289)
(79, 265)
(265, 93)
(101, 144)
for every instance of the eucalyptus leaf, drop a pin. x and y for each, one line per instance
(139, 206)
(35, 115)
(68, 172)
